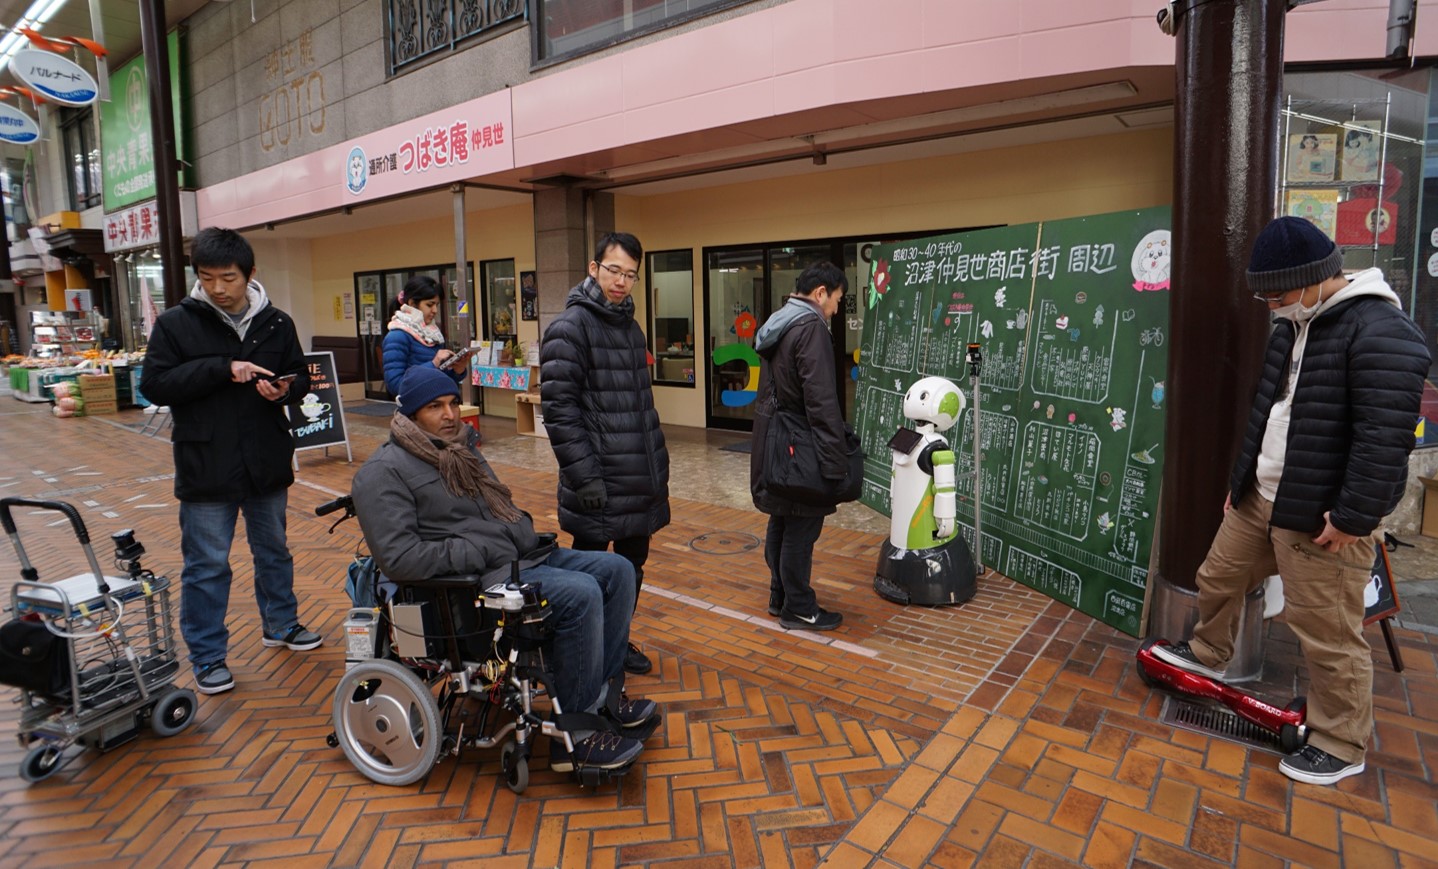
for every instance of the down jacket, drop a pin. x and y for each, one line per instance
(447, 534)
(798, 375)
(230, 443)
(402, 351)
(1355, 407)
(599, 413)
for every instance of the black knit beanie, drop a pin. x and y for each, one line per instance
(1289, 254)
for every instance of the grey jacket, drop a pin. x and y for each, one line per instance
(416, 529)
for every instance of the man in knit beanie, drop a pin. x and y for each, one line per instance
(1324, 459)
(430, 505)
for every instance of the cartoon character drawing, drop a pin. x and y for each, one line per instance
(1117, 418)
(1150, 262)
(356, 171)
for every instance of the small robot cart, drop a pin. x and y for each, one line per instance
(93, 655)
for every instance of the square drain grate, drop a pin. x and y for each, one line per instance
(1214, 720)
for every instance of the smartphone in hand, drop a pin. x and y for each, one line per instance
(454, 362)
(282, 379)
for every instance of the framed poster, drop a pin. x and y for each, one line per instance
(1361, 147)
(1311, 157)
(528, 296)
(1319, 207)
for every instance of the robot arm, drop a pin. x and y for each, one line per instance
(945, 496)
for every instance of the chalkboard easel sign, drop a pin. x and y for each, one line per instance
(1380, 603)
(319, 420)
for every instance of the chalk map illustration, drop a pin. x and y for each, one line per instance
(1072, 317)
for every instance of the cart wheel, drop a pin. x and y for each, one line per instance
(1142, 673)
(387, 722)
(515, 765)
(173, 712)
(1290, 738)
(41, 762)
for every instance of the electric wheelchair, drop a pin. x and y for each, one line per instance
(448, 663)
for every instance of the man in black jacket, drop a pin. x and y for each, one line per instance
(600, 417)
(798, 375)
(226, 362)
(1324, 459)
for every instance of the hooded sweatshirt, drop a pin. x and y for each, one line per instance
(257, 298)
(780, 322)
(1275, 437)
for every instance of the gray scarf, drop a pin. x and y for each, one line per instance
(459, 466)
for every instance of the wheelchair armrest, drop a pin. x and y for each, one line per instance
(458, 580)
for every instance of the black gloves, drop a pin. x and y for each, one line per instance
(592, 496)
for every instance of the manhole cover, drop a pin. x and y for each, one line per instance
(724, 543)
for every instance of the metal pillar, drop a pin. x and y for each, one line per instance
(162, 135)
(1230, 75)
(467, 306)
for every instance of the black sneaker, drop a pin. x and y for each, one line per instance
(637, 662)
(600, 750)
(634, 712)
(1181, 655)
(821, 620)
(214, 678)
(298, 638)
(1317, 767)
(776, 602)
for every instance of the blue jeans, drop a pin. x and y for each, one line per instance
(206, 532)
(592, 596)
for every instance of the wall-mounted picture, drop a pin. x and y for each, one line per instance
(1361, 147)
(1312, 157)
(1319, 207)
(528, 296)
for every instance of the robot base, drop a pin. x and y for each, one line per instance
(938, 576)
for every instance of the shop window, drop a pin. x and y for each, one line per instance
(499, 310)
(82, 157)
(671, 309)
(567, 28)
(1353, 162)
(419, 29)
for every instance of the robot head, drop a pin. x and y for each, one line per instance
(935, 400)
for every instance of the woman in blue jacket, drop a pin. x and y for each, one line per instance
(414, 338)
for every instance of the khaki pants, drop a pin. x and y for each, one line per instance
(1323, 604)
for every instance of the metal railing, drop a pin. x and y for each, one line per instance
(417, 29)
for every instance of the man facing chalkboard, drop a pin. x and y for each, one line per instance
(1324, 459)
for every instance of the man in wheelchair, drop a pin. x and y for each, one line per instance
(430, 505)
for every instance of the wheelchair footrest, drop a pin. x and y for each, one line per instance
(593, 777)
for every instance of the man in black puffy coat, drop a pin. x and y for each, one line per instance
(599, 414)
(1324, 459)
(226, 362)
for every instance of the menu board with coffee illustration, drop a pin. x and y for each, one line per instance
(1071, 317)
(319, 420)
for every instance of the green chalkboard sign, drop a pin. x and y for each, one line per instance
(1072, 317)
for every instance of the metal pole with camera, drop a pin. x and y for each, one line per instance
(975, 358)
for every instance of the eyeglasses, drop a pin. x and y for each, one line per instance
(1271, 298)
(616, 271)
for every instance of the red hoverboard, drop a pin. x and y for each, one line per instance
(1287, 723)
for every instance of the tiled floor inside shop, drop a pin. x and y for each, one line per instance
(1010, 731)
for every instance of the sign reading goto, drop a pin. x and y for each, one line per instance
(1072, 318)
(16, 127)
(319, 420)
(55, 77)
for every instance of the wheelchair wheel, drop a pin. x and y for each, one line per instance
(387, 722)
(515, 766)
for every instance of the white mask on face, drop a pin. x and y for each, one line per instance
(1297, 312)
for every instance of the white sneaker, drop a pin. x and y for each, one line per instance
(1272, 596)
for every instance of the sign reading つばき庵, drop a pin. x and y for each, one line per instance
(473, 138)
(1071, 317)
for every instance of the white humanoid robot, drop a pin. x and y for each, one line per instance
(925, 560)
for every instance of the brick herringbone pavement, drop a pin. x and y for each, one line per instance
(1009, 731)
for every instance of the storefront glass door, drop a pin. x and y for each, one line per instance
(378, 295)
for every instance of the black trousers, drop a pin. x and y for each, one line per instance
(635, 549)
(789, 552)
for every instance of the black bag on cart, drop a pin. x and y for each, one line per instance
(33, 658)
